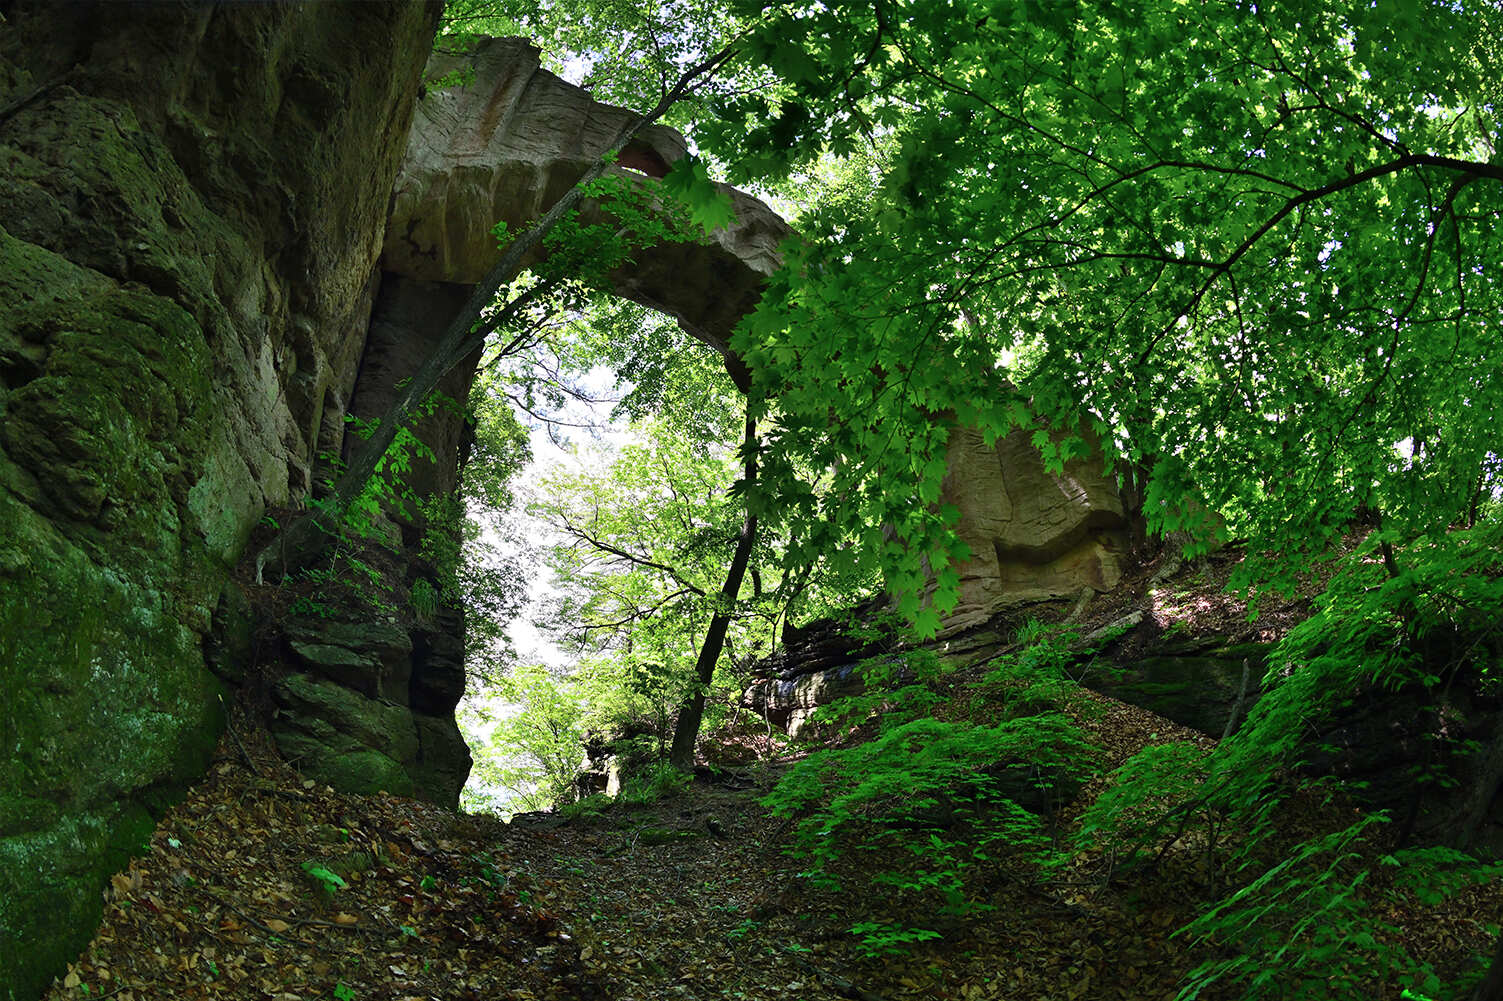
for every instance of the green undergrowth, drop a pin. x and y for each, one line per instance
(956, 782)
(655, 783)
(933, 784)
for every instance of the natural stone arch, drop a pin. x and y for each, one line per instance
(506, 146)
(373, 705)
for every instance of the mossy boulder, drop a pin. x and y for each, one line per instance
(1195, 685)
(110, 713)
(361, 744)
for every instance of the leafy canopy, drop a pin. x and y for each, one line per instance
(1252, 246)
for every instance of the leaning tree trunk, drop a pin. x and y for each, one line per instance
(686, 730)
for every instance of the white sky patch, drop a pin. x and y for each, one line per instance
(579, 448)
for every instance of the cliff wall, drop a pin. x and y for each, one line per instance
(192, 199)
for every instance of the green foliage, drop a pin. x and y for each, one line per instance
(884, 938)
(928, 804)
(1292, 924)
(1044, 667)
(1210, 244)
(1311, 926)
(1305, 920)
(625, 52)
(535, 749)
(1149, 802)
(745, 928)
(658, 781)
(688, 181)
(906, 790)
(647, 531)
(389, 491)
(1430, 618)
(424, 599)
(327, 879)
(360, 530)
(591, 807)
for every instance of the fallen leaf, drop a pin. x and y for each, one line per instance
(278, 925)
(343, 918)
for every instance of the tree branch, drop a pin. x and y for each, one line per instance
(1470, 169)
(641, 561)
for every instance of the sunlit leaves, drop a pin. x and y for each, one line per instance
(709, 207)
(1193, 224)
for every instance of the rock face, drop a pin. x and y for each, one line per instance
(1033, 535)
(1196, 683)
(369, 709)
(509, 143)
(192, 199)
(366, 662)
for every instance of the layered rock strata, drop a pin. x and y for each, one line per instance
(370, 705)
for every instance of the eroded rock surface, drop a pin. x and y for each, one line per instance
(192, 199)
(1034, 536)
(406, 673)
(509, 143)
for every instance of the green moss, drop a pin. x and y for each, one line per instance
(111, 714)
(361, 772)
(109, 711)
(128, 482)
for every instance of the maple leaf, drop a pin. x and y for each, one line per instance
(689, 182)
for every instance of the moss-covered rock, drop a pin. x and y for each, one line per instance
(192, 206)
(109, 713)
(1199, 688)
(363, 744)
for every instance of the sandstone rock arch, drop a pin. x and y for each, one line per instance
(509, 143)
(211, 258)
(505, 146)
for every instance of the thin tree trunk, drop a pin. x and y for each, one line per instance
(686, 731)
(1487, 780)
(303, 535)
(1231, 721)
(1491, 989)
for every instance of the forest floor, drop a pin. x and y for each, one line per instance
(265, 886)
(238, 897)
